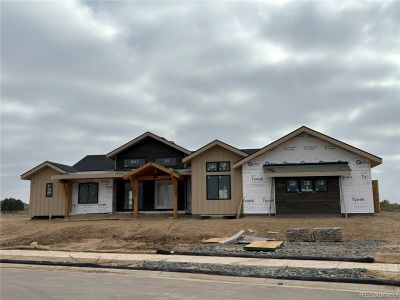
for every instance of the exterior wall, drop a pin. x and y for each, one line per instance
(39, 204)
(356, 188)
(200, 204)
(105, 203)
(149, 149)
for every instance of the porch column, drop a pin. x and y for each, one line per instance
(175, 185)
(66, 200)
(135, 191)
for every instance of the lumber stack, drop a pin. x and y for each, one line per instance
(299, 235)
(331, 234)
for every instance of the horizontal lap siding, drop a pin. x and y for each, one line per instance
(307, 203)
(200, 204)
(39, 204)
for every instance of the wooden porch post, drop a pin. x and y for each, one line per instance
(66, 201)
(135, 191)
(175, 185)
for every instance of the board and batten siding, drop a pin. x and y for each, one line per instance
(39, 204)
(200, 204)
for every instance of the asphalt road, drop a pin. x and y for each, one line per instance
(35, 282)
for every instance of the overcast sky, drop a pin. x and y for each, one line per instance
(83, 78)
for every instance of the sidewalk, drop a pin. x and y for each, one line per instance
(135, 258)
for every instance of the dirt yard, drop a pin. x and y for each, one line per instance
(124, 233)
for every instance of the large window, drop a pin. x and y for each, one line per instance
(218, 187)
(220, 166)
(166, 161)
(134, 163)
(306, 185)
(88, 193)
(49, 189)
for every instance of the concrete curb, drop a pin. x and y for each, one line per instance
(210, 272)
(366, 259)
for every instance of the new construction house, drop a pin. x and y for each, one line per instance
(304, 172)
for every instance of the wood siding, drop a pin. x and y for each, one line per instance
(307, 202)
(149, 149)
(39, 204)
(200, 204)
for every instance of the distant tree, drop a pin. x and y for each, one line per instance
(11, 204)
(387, 206)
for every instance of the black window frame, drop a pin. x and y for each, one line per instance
(297, 185)
(218, 165)
(48, 184)
(218, 189)
(139, 165)
(80, 201)
(168, 165)
(301, 185)
(315, 185)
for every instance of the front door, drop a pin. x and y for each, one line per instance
(164, 195)
(127, 205)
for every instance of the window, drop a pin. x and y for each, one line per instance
(134, 163)
(292, 185)
(218, 187)
(320, 185)
(306, 185)
(88, 193)
(49, 189)
(212, 167)
(166, 161)
(222, 166)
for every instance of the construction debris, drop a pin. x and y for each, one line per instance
(272, 232)
(299, 235)
(227, 240)
(251, 231)
(329, 234)
(264, 246)
(248, 239)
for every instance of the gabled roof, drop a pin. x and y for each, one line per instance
(375, 160)
(113, 153)
(63, 169)
(95, 163)
(212, 144)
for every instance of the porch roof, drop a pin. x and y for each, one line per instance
(151, 170)
(307, 169)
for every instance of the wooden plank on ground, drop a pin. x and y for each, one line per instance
(263, 246)
(215, 240)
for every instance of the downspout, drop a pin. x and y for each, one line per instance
(341, 196)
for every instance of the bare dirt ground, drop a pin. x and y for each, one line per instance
(124, 233)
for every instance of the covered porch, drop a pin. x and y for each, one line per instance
(165, 179)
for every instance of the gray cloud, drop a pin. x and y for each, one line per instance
(84, 77)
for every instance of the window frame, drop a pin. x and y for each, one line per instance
(80, 201)
(301, 185)
(134, 167)
(218, 166)
(47, 189)
(218, 187)
(297, 185)
(173, 165)
(326, 185)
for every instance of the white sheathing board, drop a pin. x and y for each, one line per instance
(105, 203)
(356, 188)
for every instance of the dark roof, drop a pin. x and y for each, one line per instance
(94, 163)
(250, 151)
(66, 168)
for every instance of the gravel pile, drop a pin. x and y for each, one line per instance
(346, 250)
(256, 271)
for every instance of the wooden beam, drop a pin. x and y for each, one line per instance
(151, 177)
(135, 191)
(175, 185)
(375, 196)
(239, 208)
(66, 201)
